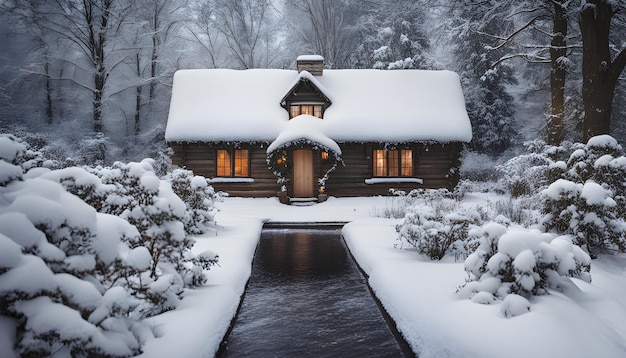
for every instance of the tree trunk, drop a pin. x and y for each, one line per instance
(600, 74)
(558, 53)
(99, 80)
(138, 91)
(49, 115)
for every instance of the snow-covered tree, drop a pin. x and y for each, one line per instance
(490, 106)
(394, 36)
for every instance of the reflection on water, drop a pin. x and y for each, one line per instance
(306, 297)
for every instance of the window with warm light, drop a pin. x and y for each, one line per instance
(314, 110)
(392, 163)
(223, 163)
(241, 163)
(235, 163)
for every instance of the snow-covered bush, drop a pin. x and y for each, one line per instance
(586, 211)
(51, 246)
(133, 192)
(521, 262)
(526, 174)
(589, 203)
(198, 196)
(436, 225)
(87, 253)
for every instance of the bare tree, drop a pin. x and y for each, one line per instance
(28, 17)
(154, 23)
(322, 25)
(89, 25)
(248, 30)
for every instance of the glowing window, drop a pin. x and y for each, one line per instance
(310, 109)
(223, 163)
(236, 164)
(241, 163)
(392, 163)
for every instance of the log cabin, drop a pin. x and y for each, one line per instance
(314, 132)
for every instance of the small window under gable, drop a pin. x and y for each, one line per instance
(305, 98)
(314, 110)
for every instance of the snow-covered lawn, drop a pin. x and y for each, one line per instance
(419, 294)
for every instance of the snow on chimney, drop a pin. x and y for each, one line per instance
(314, 64)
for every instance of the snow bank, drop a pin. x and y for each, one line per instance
(587, 320)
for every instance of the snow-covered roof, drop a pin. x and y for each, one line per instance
(367, 105)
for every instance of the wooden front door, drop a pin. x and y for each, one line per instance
(303, 173)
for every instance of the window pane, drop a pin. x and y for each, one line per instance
(392, 156)
(307, 109)
(380, 163)
(407, 162)
(317, 111)
(223, 163)
(294, 111)
(241, 163)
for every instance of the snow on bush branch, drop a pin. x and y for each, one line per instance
(589, 202)
(77, 280)
(520, 262)
(435, 225)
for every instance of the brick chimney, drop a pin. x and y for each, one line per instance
(314, 64)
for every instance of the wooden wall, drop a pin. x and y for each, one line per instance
(201, 158)
(432, 163)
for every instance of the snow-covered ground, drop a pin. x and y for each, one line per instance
(419, 294)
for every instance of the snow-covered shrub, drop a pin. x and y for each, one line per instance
(50, 250)
(159, 214)
(17, 158)
(585, 211)
(583, 162)
(523, 210)
(85, 255)
(526, 174)
(521, 262)
(589, 203)
(436, 225)
(199, 197)
(397, 204)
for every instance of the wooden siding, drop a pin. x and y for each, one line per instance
(431, 163)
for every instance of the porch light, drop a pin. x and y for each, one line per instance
(282, 159)
(322, 190)
(324, 155)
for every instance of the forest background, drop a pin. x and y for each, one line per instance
(89, 81)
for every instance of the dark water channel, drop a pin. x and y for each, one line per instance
(307, 298)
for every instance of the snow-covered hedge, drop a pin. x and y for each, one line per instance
(86, 255)
(589, 202)
(520, 262)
